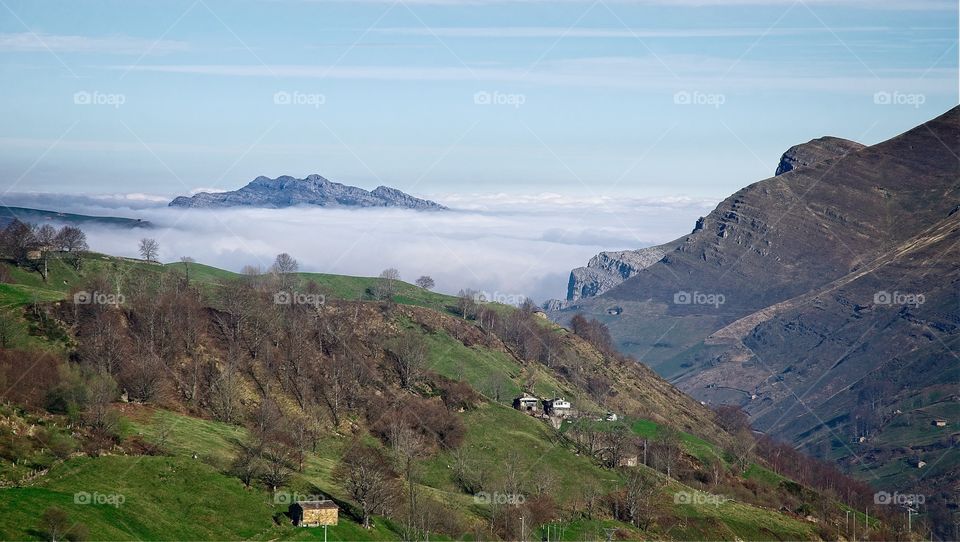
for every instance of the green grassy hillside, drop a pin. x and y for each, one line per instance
(170, 470)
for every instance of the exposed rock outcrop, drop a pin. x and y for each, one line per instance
(814, 151)
(608, 269)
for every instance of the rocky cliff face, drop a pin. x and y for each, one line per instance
(608, 269)
(286, 191)
(814, 151)
(823, 300)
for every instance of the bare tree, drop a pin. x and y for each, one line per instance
(46, 238)
(284, 266)
(277, 469)
(19, 238)
(56, 523)
(666, 451)
(368, 479)
(386, 286)
(467, 302)
(425, 282)
(71, 239)
(409, 356)
(407, 445)
(637, 498)
(186, 261)
(149, 249)
(102, 390)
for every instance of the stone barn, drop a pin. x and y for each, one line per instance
(314, 513)
(527, 403)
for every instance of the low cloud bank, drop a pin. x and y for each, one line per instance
(503, 244)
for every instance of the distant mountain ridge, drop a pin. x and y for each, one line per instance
(40, 216)
(287, 191)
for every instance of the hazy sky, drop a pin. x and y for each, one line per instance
(646, 98)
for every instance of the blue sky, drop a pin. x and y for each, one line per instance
(641, 98)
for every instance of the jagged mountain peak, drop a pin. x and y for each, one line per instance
(288, 191)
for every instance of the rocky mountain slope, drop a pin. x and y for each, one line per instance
(817, 150)
(286, 191)
(824, 301)
(608, 269)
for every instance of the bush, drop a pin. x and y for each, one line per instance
(27, 377)
(429, 418)
(456, 395)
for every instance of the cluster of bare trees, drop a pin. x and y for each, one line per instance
(785, 460)
(614, 444)
(31, 245)
(531, 338)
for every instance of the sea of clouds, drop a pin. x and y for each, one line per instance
(504, 244)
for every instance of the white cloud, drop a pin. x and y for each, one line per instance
(34, 42)
(626, 33)
(197, 190)
(524, 245)
(664, 73)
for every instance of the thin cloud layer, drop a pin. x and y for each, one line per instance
(524, 247)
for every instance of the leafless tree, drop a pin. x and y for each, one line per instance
(284, 266)
(225, 394)
(425, 282)
(409, 354)
(71, 239)
(386, 286)
(277, 471)
(590, 494)
(149, 249)
(47, 236)
(247, 465)
(666, 451)
(637, 498)
(186, 261)
(407, 445)
(742, 447)
(336, 386)
(18, 239)
(368, 479)
(467, 303)
(45, 242)
(102, 390)
(56, 523)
